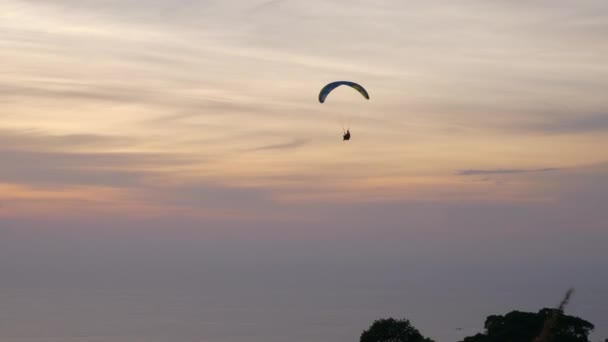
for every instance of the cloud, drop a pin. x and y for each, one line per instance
(571, 124)
(295, 143)
(74, 91)
(45, 173)
(33, 157)
(103, 169)
(36, 139)
(265, 5)
(477, 172)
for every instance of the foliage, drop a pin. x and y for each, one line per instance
(392, 330)
(518, 326)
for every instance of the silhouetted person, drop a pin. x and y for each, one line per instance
(346, 135)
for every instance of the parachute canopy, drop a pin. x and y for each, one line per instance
(328, 89)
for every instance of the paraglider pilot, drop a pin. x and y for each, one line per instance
(346, 135)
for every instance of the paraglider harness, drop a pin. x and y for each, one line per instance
(346, 135)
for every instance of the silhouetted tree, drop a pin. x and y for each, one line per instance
(526, 326)
(392, 330)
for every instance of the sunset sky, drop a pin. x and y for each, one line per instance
(168, 174)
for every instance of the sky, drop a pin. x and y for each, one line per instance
(168, 174)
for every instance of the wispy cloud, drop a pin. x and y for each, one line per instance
(265, 5)
(36, 140)
(570, 124)
(74, 91)
(478, 172)
(33, 157)
(295, 143)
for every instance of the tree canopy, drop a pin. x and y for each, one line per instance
(527, 326)
(392, 330)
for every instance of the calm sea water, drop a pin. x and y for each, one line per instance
(236, 314)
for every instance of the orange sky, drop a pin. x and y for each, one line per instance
(232, 102)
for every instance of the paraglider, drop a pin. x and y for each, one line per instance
(333, 85)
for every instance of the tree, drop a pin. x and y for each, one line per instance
(392, 330)
(526, 327)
